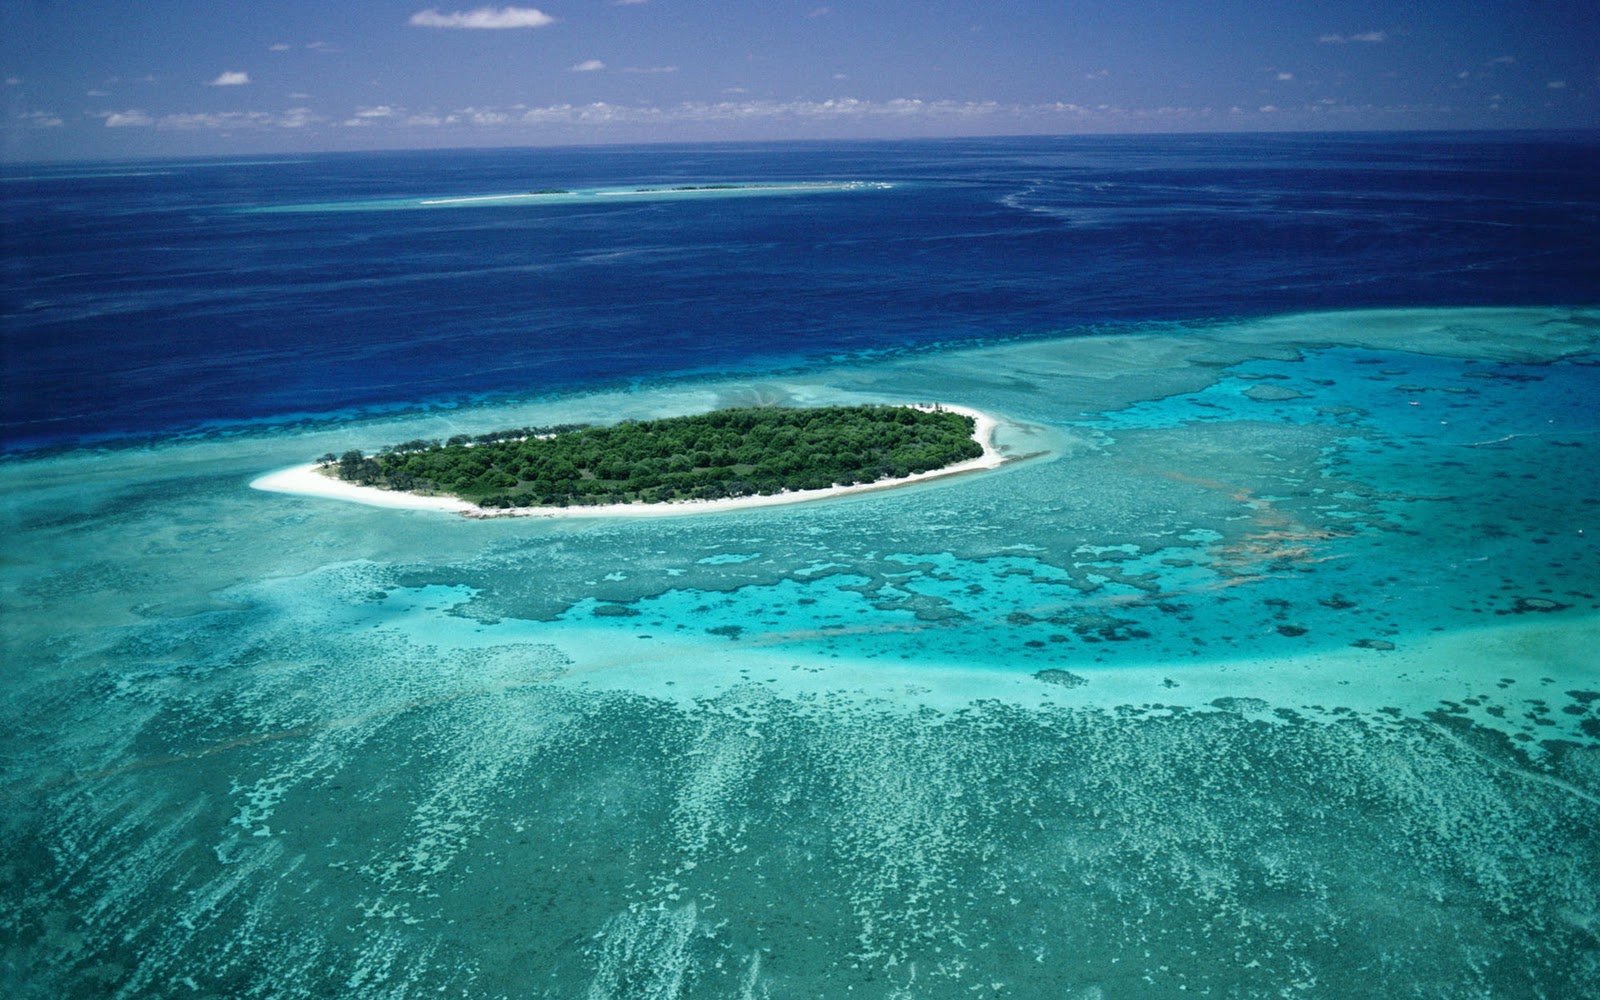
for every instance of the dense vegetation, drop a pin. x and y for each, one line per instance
(725, 453)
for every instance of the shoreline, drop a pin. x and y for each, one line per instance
(306, 480)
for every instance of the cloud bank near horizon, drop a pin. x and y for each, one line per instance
(642, 71)
(603, 121)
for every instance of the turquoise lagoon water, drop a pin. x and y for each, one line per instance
(1267, 668)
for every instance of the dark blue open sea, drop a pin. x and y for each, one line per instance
(1264, 666)
(157, 297)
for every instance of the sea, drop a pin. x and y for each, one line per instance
(1264, 667)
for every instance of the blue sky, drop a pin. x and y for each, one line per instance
(97, 79)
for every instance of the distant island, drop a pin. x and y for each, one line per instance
(721, 455)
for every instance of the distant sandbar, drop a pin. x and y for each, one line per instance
(568, 196)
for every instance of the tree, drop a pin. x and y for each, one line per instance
(753, 450)
(350, 464)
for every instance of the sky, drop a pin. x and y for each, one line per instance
(107, 79)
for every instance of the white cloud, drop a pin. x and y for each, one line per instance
(1502, 61)
(13, 81)
(41, 119)
(651, 69)
(279, 47)
(1374, 37)
(126, 119)
(230, 78)
(1099, 74)
(844, 108)
(588, 66)
(1285, 75)
(1267, 109)
(483, 17)
(295, 117)
(1557, 85)
(820, 12)
(212, 120)
(844, 114)
(97, 92)
(236, 120)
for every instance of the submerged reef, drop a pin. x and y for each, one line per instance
(1220, 693)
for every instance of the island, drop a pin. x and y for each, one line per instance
(748, 456)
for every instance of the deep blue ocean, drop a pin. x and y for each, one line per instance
(156, 297)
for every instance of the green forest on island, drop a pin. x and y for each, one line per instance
(751, 451)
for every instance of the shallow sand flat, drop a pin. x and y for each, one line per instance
(1464, 672)
(577, 196)
(306, 480)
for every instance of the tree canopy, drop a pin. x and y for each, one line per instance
(751, 451)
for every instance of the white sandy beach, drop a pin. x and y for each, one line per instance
(308, 480)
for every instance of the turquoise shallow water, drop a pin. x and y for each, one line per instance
(1266, 669)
